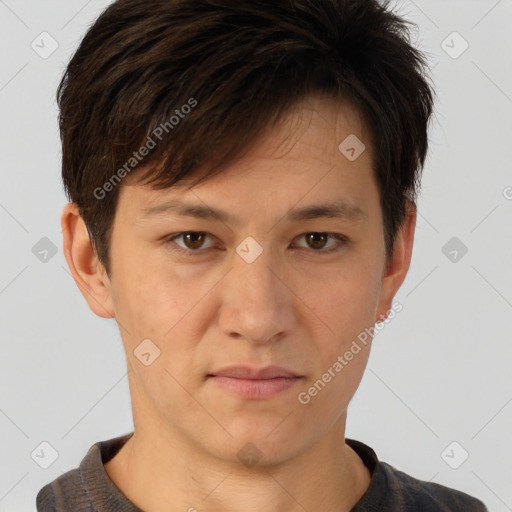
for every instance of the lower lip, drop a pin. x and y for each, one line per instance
(255, 388)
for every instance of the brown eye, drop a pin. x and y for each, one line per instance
(316, 240)
(191, 243)
(193, 240)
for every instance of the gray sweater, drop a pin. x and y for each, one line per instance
(89, 488)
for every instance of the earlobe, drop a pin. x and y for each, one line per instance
(86, 269)
(398, 266)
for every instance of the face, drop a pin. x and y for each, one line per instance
(261, 284)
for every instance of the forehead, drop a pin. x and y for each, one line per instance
(313, 128)
(309, 142)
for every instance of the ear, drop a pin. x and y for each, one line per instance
(88, 272)
(396, 269)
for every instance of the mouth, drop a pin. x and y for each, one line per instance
(254, 383)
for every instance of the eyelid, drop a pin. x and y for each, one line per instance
(342, 241)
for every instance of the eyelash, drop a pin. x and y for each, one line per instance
(190, 252)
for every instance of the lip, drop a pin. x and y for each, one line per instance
(255, 383)
(246, 372)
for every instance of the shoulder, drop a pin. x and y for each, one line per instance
(430, 496)
(88, 487)
(392, 490)
(65, 491)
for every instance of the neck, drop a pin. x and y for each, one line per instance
(163, 472)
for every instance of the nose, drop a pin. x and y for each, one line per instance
(257, 303)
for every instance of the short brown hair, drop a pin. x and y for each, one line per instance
(237, 66)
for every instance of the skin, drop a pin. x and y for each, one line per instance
(294, 306)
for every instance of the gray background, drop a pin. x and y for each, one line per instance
(439, 372)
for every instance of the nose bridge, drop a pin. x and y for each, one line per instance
(257, 277)
(256, 305)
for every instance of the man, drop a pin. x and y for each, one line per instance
(242, 183)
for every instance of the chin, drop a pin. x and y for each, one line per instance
(252, 444)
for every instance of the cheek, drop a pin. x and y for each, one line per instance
(146, 305)
(346, 307)
(163, 304)
(348, 297)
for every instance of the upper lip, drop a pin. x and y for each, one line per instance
(246, 372)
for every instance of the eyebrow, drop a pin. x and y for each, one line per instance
(337, 210)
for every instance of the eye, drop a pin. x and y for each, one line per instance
(194, 242)
(317, 241)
